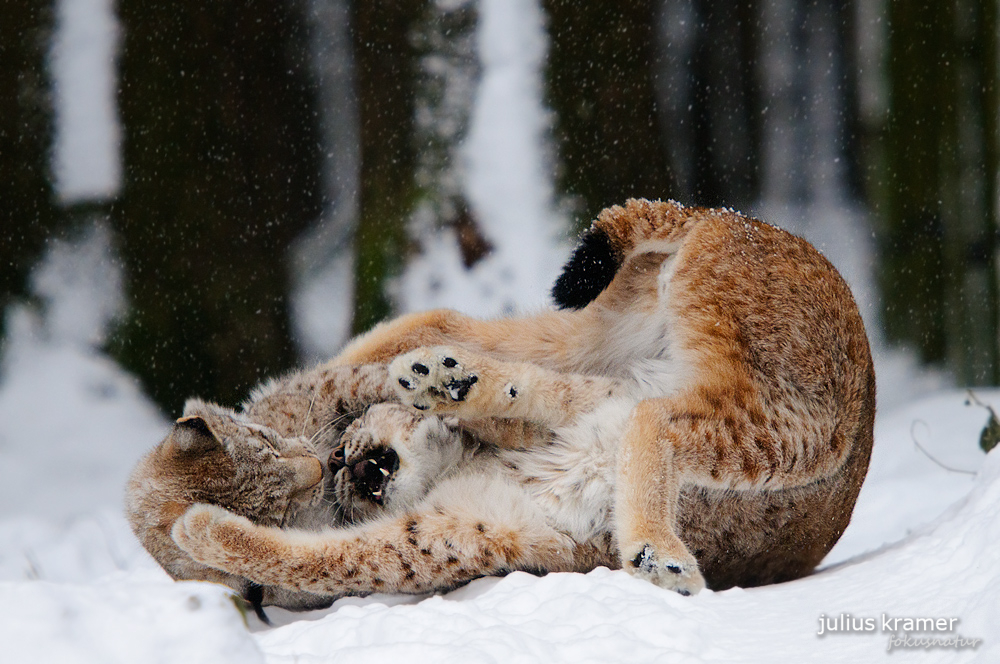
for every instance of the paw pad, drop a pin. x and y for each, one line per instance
(431, 378)
(683, 578)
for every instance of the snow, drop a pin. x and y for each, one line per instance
(75, 585)
(123, 618)
(79, 588)
(506, 178)
(86, 157)
(68, 413)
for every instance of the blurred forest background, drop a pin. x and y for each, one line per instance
(270, 145)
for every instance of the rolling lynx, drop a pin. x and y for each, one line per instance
(700, 410)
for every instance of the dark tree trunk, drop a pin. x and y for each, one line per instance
(852, 132)
(601, 69)
(939, 245)
(385, 68)
(710, 99)
(221, 169)
(968, 195)
(27, 211)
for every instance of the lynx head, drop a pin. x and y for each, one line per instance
(214, 455)
(391, 457)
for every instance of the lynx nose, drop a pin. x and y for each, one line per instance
(336, 461)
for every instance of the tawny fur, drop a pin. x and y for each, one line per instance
(710, 413)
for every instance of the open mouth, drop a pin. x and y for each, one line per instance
(370, 474)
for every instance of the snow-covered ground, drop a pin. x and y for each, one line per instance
(75, 586)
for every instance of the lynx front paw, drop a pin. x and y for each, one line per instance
(203, 530)
(677, 573)
(432, 378)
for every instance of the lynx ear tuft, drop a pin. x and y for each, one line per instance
(590, 269)
(192, 434)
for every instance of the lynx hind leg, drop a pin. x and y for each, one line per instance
(473, 386)
(445, 379)
(646, 496)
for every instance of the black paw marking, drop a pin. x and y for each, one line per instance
(458, 388)
(644, 559)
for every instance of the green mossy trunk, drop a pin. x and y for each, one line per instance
(939, 269)
(221, 174)
(725, 116)
(385, 69)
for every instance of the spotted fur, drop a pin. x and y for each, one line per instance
(706, 418)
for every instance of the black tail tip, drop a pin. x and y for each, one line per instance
(589, 271)
(255, 596)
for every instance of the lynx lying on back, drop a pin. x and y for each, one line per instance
(706, 414)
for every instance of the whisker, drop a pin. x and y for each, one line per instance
(333, 423)
(305, 421)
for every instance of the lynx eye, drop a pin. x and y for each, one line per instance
(270, 443)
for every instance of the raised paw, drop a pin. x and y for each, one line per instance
(432, 378)
(677, 573)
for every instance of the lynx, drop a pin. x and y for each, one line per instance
(699, 411)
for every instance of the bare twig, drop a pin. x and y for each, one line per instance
(920, 447)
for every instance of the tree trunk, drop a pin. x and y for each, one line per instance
(27, 213)
(722, 105)
(602, 64)
(385, 69)
(939, 246)
(221, 170)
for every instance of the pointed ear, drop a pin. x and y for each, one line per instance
(193, 435)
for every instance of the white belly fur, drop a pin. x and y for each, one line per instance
(572, 478)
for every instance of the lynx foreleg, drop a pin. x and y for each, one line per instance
(470, 532)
